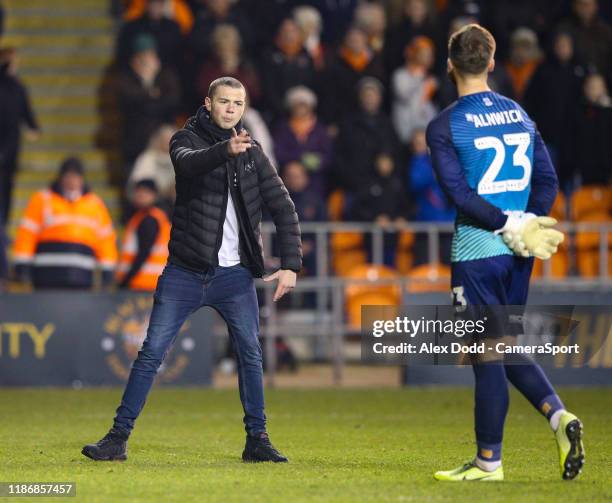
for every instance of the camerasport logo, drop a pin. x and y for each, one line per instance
(126, 329)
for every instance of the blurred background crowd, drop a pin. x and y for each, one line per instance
(340, 93)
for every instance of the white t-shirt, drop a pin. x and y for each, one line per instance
(228, 253)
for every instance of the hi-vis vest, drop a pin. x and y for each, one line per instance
(146, 277)
(64, 240)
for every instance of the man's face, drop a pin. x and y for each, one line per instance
(356, 41)
(144, 198)
(585, 9)
(564, 47)
(219, 8)
(72, 182)
(416, 10)
(594, 88)
(226, 106)
(295, 177)
(155, 9)
(370, 99)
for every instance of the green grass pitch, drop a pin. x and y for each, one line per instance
(343, 445)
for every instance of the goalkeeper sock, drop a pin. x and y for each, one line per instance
(490, 408)
(531, 381)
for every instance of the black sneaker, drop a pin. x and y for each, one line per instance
(113, 447)
(259, 448)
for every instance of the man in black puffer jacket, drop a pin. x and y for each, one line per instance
(222, 181)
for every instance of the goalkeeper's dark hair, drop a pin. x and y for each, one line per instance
(470, 49)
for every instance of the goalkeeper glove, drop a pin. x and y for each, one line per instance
(531, 236)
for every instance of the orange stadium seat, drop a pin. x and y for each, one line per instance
(560, 260)
(405, 256)
(358, 295)
(559, 264)
(346, 247)
(591, 204)
(590, 199)
(559, 209)
(429, 278)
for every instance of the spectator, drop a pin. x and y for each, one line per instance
(310, 207)
(525, 56)
(383, 201)
(65, 231)
(218, 12)
(372, 19)
(155, 164)
(363, 137)
(592, 36)
(15, 110)
(337, 16)
(550, 100)
(417, 22)
(148, 97)
(144, 251)
(503, 17)
(257, 128)
(353, 61)
(303, 138)
(591, 133)
(227, 60)
(431, 203)
(413, 88)
(287, 65)
(176, 10)
(309, 22)
(152, 22)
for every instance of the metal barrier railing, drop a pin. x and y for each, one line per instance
(328, 316)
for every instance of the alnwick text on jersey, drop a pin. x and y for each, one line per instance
(495, 118)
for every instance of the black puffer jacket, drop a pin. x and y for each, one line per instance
(204, 167)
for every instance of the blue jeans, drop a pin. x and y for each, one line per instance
(180, 292)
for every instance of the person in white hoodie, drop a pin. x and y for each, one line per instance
(155, 164)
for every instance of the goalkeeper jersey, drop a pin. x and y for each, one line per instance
(489, 158)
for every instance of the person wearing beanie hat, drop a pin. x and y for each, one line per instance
(155, 25)
(149, 96)
(65, 233)
(145, 245)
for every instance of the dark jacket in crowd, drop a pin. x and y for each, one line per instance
(14, 111)
(592, 145)
(550, 101)
(143, 111)
(399, 36)
(340, 96)
(593, 44)
(204, 170)
(204, 25)
(361, 139)
(278, 74)
(383, 195)
(167, 35)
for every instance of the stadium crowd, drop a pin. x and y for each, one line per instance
(340, 92)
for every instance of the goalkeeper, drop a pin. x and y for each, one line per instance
(492, 163)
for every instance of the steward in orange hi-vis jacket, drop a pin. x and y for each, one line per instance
(65, 232)
(144, 252)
